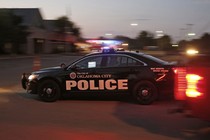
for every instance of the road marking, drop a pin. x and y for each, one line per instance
(5, 90)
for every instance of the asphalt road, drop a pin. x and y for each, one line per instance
(24, 116)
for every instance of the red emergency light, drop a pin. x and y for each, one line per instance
(189, 83)
(180, 83)
(194, 85)
(197, 92)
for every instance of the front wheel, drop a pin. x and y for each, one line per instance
(145, 92)
(49, 91)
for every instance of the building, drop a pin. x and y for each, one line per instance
(43, 37)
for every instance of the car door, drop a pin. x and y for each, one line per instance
(83, 75)
(121, 70)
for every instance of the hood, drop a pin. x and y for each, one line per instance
(50, 69)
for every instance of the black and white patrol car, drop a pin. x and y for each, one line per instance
(144, 76)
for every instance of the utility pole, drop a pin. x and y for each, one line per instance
(190, 33)
(182, 33)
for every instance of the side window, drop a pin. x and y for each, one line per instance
(113, 61)
(122, 61)
(132, 62)
(91, 62)
(127, 61)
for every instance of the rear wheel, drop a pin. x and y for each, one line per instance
(145, 92)
(49, 91)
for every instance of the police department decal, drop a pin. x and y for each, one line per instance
(100, 82)
(73, 75)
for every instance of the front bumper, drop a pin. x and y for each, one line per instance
(30, 86)
(24, 80)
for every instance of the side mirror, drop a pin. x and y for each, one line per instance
(63, 65)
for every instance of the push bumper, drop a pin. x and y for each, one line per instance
(30, 86)
(24, 81)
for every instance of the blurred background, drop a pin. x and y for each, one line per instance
(155, 26)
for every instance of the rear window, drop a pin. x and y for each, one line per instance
(155, 59)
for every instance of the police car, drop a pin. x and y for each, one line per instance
(143, 76)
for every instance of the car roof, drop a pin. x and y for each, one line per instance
(116, 52)
(139, 55)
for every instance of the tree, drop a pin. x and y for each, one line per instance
(12, 31)
(131, 42)
(145, 39)
(64, 25)
(205, 41)
(182, 45)
(164, 42)
(202, 44)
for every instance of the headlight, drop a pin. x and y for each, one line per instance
(32, 77)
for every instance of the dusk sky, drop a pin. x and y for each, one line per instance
(98, 17)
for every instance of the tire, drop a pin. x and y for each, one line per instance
(49, 91)
(145, 92)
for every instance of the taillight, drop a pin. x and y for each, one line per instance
(180, 83)
(195, 85)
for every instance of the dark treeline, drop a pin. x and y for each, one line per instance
(164, 42)
(13, 33)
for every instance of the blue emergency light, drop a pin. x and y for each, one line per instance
(108, 50)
